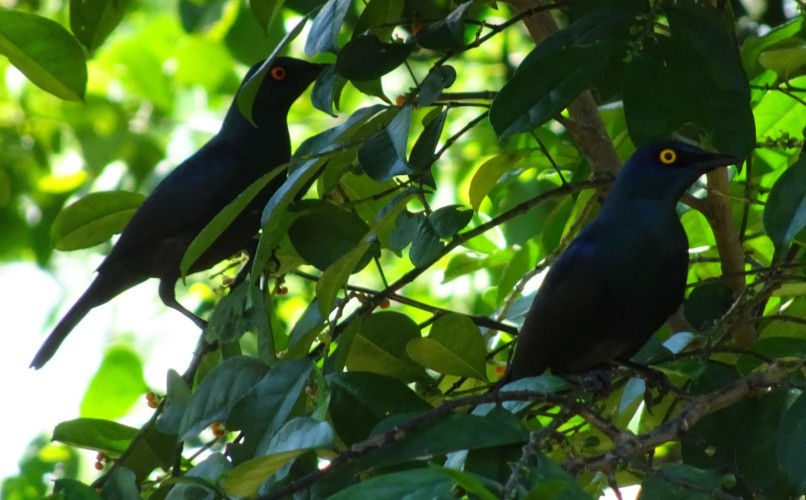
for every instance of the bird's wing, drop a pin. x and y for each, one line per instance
(187, 199)
(566, 302)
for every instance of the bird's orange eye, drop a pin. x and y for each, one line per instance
(278, 73)
(667, 156)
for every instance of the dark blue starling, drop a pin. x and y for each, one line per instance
(157, 236)
(623, 275)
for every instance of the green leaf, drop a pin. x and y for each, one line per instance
(71, 489)
(207, 472)
(383, 155)
(379, 346)
(426, 245)
(437, 80)
(121, 483)
(671, 482)
(770, 348)
(446, 34)
(243, 309)
(415, 484)
(707, 303)
(487, 175)
(265, 11)
(366, 58)
(785, 210)
(360, 400)
(263, 410)
(469, 482)
(753, 46)
(220, 390)
(95, 434)
(326, 234)
(792, 444)
(44, 52)
(541, 88)
(380, 17)
(116, 386)
(324, 33)
(93, 20)
(336, 276)
(323, 89)
(94, 219)
(453, 433)
(275, 219)
(405, 229)
(423, 152)
(176, 400)
(449, 220)
(454, 346)
(294, 439)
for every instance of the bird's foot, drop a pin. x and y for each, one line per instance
(596, 381)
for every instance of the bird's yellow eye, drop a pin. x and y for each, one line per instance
(278, 73)
(667, 156)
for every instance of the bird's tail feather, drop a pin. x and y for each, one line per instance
(99, 292)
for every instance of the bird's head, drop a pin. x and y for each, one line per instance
(665, 170)
(284, 81)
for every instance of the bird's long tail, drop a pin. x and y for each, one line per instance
(99, 292)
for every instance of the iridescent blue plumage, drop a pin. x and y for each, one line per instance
(623, 275)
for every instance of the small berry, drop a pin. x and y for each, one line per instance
(416, 29)
(100, 457)
(99, 466)
(385, 304)
(499, 370)
(218, 429)
(281, 290)
(153, 404)
(150, 396)
(399, 100)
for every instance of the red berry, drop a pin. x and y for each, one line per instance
(385, 304)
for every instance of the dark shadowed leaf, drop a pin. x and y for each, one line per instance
(785, 211)
(426, 245)
(669, 483)
(437, 80)
(379, 17)
(218, 393)
(405, 229)
(323, 89)
(447, 34)
(93, 20)
(413, 484)
(423, 152)
(447, 221)
(792, 444)
(365, 57)
(265, 11)
(383, 155)
(361, 400)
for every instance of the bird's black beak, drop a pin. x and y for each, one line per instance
(710, 161)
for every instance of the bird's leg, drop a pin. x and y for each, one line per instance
(597, 381)
(654, 379)
(168, 296)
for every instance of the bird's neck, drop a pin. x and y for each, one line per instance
(257, 142)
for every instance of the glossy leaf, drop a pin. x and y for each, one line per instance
(446, 34)
(210, 469)
(263, 410)
(785, 211)
(406, 485)
(379, 17)
(44, 52)
(218, 393)
(365, 57)
(670, 483)
(379, 346)
(326, 234)
(454, 346)
(94, 219)
(95, 434)
(243, 309)
(93, 20)
(449, 220)
(335, 277)
(383, 155)
(323, 89)
(324, 33)
(426, 245)
(362, 399)
(437, 80)
(423, 152)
